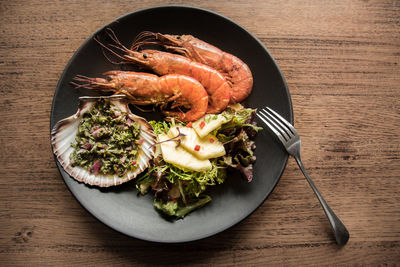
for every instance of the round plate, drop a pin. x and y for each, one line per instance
(121, 208)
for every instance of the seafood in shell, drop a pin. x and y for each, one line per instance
(64, 132)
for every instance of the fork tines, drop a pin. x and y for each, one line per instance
(281, 127)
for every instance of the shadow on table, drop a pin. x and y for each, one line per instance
(135, 251)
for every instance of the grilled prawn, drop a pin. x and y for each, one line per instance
(145, 89)
(164, 63)
(234, 70)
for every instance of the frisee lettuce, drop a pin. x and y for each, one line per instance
(161, 127)
(192, 183)
(240, 118)
(179, 191)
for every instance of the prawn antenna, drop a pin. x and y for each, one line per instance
(143, 35)
(118, 46)
(144, 110)
(103, 46)
(81, 78)
(77, 85)
(144, 38)
(114, 38)
(86, 82)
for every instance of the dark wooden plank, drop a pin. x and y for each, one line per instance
(341, 62)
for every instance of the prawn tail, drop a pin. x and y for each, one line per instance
(180, 115)
(217, 103)
(239, 76)
(197, 109)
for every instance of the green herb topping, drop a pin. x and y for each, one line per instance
(107, 141)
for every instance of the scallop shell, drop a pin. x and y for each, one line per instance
(64, 132)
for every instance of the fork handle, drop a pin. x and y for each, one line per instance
(340, 231)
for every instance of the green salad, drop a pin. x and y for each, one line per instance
(214, 146)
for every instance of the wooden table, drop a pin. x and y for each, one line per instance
(341, 62)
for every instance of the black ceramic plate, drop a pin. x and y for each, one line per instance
(121, 208)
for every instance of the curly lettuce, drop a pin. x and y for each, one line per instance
(177, 191)
(238, 138)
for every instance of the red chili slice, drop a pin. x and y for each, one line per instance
(212, 140)
(189, 124)
(197, 148)
(202, 124)
(133, 162)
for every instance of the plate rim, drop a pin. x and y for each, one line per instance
(83, 44)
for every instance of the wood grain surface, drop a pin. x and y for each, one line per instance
(341, 62)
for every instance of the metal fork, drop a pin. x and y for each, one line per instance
(290, 139)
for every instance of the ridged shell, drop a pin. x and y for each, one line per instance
(64, 132)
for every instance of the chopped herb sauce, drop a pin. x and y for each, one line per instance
(107, 141)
